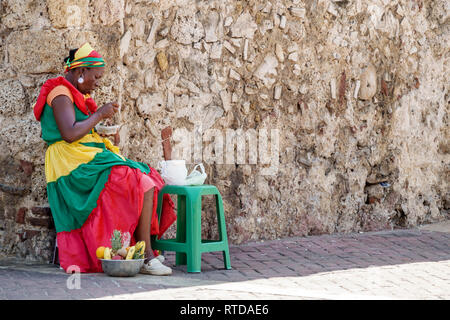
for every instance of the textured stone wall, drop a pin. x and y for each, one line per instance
(352, 97)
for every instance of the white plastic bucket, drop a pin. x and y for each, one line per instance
(174, 172)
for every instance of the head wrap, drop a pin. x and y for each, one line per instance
(86, 57)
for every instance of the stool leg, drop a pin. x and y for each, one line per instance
(194, 233)
(226, 259)
(180, 257)
(222, 230)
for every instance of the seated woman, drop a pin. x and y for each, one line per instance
(92, 189)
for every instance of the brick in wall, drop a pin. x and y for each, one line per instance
(20, 215)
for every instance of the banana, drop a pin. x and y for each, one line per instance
(107, 254)
(130, 253)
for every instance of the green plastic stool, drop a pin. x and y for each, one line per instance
(188, 244)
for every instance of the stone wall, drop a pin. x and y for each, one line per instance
(349, 98)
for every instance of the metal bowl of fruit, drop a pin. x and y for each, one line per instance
(121, 260)
(122, 268)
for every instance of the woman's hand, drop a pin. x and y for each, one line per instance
(108, 110)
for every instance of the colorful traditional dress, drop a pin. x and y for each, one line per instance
(92, 189)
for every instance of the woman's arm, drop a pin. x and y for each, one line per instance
(70, 129)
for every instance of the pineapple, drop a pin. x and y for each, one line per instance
(116, 241)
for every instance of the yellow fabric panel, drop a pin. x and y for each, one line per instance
(83, 52)
(62, 157)
(109, 145)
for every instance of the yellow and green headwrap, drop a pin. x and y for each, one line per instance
(85, 56)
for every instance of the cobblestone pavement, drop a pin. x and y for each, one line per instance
(399, 264)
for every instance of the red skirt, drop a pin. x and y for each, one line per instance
(118, 207)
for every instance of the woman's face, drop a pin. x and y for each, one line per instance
(91, 77)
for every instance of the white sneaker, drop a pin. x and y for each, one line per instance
(156, 268)
(161, 258)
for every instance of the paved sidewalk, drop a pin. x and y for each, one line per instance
(399, 264)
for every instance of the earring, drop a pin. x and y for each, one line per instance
(80, 80)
